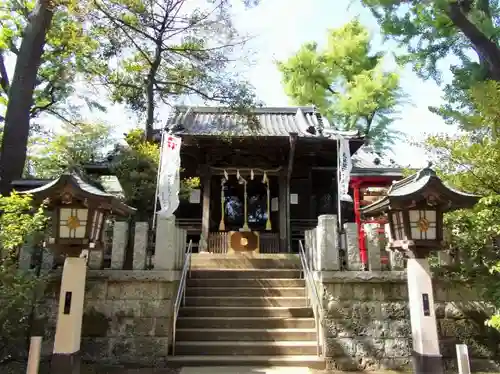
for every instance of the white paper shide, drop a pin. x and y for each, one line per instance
(169, 175)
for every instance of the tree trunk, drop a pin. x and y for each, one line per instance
(150, 112)
(17, 118)
(150, 88)
(487, 50)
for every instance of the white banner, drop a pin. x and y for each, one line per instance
(345, 167)
(169, 175)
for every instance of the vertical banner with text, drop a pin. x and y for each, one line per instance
(169, 175)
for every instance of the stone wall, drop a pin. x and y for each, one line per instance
(127, 317)
(366, 322)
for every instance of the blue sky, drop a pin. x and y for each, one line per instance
(283, 25)
(280, 27)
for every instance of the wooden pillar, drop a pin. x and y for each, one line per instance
(206, 179)
(283, 211)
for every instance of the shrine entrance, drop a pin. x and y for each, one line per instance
(242, 204)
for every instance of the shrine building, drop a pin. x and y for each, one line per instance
(268, 182)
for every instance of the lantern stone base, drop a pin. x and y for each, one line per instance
(427, 364)
(65, 363)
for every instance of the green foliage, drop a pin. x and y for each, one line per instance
(430, 31)
(69, 53)
(136, 166)
(346, 82)
(473, 165)
(77, 146)
(167, 50)
(19, 223)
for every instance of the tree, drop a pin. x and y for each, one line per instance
(473, 165)
(174, 49)
(51, 48)
(471, 162)
(346, 82)
(432, 30)
(77, 146)
(21, 89)
(136, 166)
(19, 222)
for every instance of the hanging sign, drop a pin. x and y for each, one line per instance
(169, 175)
(345, 167)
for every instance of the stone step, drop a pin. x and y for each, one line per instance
(246, 292)
(312, 361)
(242, 282)
(245, 311)
(245, 261)
(246, 335)
(244, 323)
(246, 301)
(247, 348)
(245, 274)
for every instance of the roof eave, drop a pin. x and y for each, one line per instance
(377, 208)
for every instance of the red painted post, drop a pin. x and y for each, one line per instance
(357, 214)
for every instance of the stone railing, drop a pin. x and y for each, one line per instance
(343, 253)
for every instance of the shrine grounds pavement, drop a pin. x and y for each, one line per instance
(98, 369)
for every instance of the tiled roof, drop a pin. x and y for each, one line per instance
(368, 159)
(412, 188)
(367, 162)
(77, 181)
(271, 122)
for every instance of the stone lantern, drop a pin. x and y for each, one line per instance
(414, 207)
(78, 212)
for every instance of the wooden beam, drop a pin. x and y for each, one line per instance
(291, 154)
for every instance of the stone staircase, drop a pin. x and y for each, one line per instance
(246, 310)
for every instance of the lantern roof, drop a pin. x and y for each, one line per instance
(76, 184)
(423, 186)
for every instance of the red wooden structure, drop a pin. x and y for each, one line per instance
(368, 173)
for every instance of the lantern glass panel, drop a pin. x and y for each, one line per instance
(72, 223)
(423, 224)
(398, 222)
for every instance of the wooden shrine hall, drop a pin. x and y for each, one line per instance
(262, 184)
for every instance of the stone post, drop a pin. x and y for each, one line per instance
(327, 243)
(426, 354)
(352, 247)
(445, 258)
(182, 249)
(25, 256)
(140, 245)
(314, 250)
(308, 248)
(120, 238)
(96, 259)
(47, 261)
(397, 260)
(373, 246)
(34, 355)
(178, 250)
(165, 243)
(66, 356)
